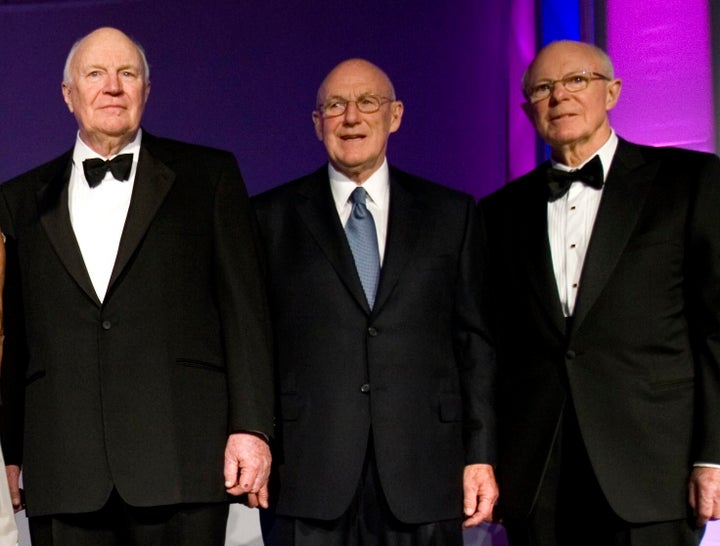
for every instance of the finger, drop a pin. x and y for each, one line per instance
(16, 499)
(252, 500)
(230, 472)
(15, 496)
(470, 501)
(472, 521)
(263, 497)
(704, 510)
(248, 479)
(692, 496)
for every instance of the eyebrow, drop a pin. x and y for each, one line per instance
(571, 73)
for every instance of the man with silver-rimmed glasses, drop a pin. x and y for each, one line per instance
(385, 371)
(604, 264)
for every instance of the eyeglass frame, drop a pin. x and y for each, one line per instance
(584, 74)
(381, 100)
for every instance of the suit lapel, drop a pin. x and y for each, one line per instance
(533, 243)
(153, 180)
(316, 208)
(405, 222)
(626, 188)
(52, 202)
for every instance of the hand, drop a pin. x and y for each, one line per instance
(247, 468)
(704, 493)
(13, 478)
(480, 492)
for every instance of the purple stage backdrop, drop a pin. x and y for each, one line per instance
(243, 76)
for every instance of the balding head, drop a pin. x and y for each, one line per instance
(106, 88)
(570, 87)
(67, 72)
(356, 112)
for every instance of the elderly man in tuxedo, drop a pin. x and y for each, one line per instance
(605, 271)
(384, 367)
(137, 349)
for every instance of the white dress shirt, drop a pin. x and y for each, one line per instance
(378, 199)
(570, 224)
(98, 214)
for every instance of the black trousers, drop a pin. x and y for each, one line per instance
(571, 509)
(367, 522)
(119, 524)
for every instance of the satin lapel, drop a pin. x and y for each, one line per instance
(626, 188)
(316, 208)
(153, 180)
(531, 235)
(52, 202)
(405, 223)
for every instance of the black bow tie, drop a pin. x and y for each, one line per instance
(95, 169)
(559, 181)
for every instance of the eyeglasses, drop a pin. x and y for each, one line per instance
(572, 83)
(367, 104)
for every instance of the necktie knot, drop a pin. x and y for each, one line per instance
(559, 181)
(95, 169)
(358, 198)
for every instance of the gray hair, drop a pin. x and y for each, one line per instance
(67, 74)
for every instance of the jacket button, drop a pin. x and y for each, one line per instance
(570, 355)
(106, 325)
(365, 388)
(372, 331)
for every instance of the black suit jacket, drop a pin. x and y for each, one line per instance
(422, 352)
(642, 358)
(138, 392)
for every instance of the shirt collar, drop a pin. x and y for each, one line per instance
(82, 151)
(606, 153)
(376, 186)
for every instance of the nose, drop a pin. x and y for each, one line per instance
(352, 114)
(558, 92)
(113, 86)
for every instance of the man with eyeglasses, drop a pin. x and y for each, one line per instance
(604, 265)
(385, 420)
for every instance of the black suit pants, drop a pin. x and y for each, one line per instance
(571, 509)
(119, 524)
(367, 522)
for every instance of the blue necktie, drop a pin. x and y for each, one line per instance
(362, 237)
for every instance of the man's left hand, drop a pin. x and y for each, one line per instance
(480, 492)
(247, 468)
(705, 493)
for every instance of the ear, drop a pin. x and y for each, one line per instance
(317, 122)
(396, 111)
(67, 92)
(529, 111)
(613, 94)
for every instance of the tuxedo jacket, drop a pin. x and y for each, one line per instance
(415, 372)
(641, 359)
(138, 392)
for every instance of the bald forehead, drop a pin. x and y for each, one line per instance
(99, 42)
(560, 58)
(357, 74)
(104, 36)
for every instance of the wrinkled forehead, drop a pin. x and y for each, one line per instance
(107, 49)
(561, 60)
(354, 79)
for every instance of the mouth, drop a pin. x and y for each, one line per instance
(351, 138)
(559, 117)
